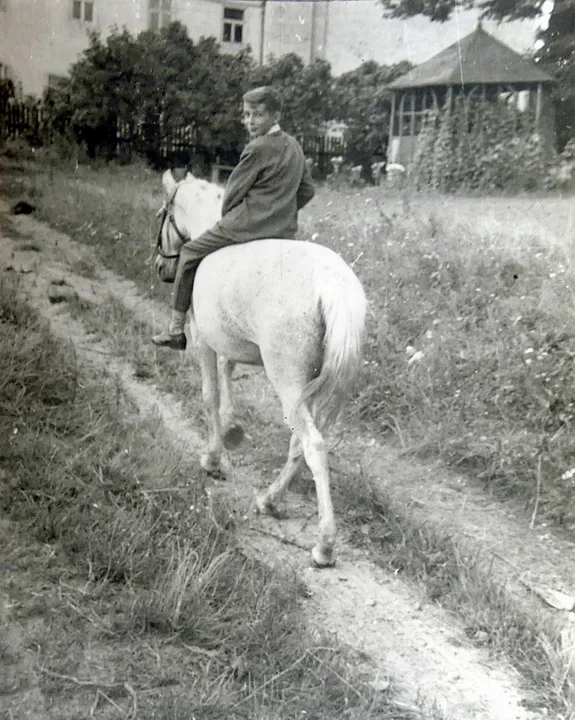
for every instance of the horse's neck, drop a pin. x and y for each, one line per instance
(202, 206)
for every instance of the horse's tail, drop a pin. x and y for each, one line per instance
(342, 304)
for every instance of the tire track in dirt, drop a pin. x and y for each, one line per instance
(421, 647)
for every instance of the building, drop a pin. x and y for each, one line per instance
(479, 66)
(41, 39)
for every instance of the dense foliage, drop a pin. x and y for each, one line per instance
(134, 91)
(479, 145)
(305, 89)
(147, 85)
(363, 102)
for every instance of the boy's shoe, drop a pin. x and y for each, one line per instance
(175, 342)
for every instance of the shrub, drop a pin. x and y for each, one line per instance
(479, 145)
(561, 175)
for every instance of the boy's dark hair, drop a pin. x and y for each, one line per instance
(265, 95)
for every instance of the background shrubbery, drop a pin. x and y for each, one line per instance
(479, 145)
(153, 83)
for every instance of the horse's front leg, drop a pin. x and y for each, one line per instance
(210, 460)
(232, 431)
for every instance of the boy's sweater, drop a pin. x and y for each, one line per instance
(266, 189)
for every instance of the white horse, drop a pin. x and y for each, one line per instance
(294, 307)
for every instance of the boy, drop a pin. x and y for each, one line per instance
(264, 193)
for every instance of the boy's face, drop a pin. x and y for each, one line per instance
(258, 119)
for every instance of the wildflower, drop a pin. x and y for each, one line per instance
(569, 474)
(416, 357)
(315, 236)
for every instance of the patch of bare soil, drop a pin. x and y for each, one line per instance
(420, 649)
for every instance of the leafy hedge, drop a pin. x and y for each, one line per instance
(475, 144)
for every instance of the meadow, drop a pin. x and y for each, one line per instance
(469, 355)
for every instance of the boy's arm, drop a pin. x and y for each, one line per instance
(306, 190)
(242, 178)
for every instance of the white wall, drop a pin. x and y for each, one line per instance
(40, 37)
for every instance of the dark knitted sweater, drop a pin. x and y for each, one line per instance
(266, 189)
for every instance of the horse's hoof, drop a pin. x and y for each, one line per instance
(209, 463)
(322, 559)
(233, 436)
(264, 507)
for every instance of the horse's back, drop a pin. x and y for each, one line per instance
(263, 291)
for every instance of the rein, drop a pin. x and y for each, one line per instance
(167, 211)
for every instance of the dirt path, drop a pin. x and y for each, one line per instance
(423, 649)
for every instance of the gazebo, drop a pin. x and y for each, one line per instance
(479, 65)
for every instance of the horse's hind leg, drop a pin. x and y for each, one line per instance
(300, 420)
(267, 502)
(232, 431)
(315, 454)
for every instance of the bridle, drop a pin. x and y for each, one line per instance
(167, 212)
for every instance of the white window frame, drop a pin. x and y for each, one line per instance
(231, 25)
(83, 10)
(159, 14)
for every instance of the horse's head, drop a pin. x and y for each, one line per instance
(171, 235)
(182, 198)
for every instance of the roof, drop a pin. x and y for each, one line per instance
(478, 58)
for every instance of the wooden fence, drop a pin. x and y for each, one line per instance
(162, 147)
(21, 120)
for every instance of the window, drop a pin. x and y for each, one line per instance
(82, 10)
(160, 14)
(233, 25)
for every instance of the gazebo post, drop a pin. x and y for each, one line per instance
(400, 116)
(391, 123)
(539, 104)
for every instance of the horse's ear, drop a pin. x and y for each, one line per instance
(168, 181)
(190, 176)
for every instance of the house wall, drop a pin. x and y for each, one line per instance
(39, 38)
(205, 18)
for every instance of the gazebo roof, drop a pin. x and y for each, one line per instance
(477, 59)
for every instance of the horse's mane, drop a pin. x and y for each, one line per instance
(202, 203)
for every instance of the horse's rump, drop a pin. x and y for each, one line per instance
(292, 300)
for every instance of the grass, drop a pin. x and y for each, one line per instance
(82, 475)
(450, 571)
(487, 297)
(458, 576)
(489, 304)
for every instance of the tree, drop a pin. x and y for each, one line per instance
(362, 100)
(148, 85)
(305, 90)
(556, 55)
